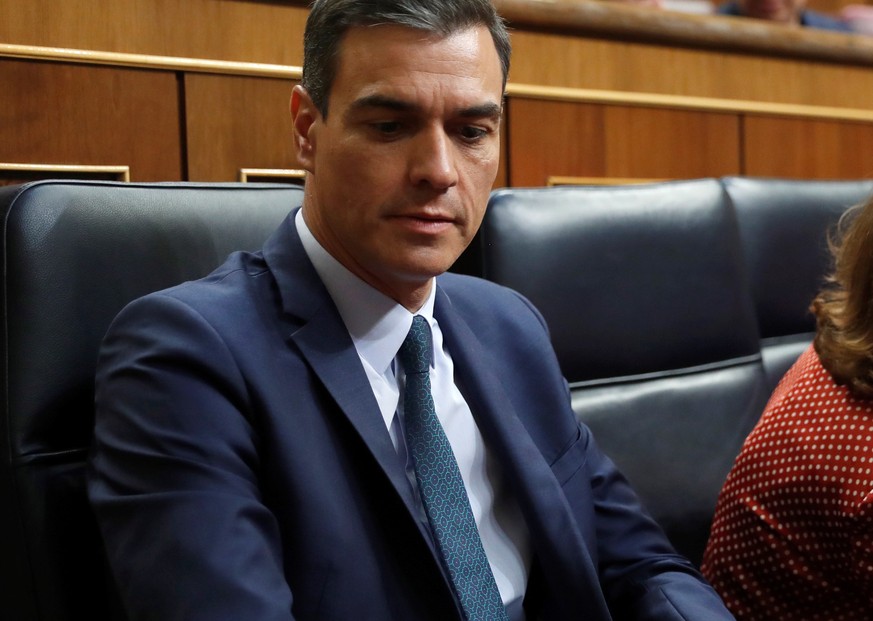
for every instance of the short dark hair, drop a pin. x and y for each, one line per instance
(329, 20)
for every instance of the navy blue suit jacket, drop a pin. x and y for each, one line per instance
(241, 469)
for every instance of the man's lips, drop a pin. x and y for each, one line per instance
(424, 222)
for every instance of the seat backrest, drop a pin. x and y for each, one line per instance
(784, 228)
(646, 296)
(74, 253)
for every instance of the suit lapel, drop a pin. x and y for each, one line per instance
(328, 349)
(317, 330)
(557, 543)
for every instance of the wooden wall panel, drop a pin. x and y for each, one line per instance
(654, 143)
(237, 122)
(236, 117)
(53, 113)
(554, 138)
(238, 30)
(572, 139)
(808, 148)
(551, 59)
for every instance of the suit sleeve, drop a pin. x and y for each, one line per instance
(173, 476)
(641, 575)
(643, 578)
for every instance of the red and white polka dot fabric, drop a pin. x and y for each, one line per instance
(792, 536)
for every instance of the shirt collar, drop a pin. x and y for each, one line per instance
(377, 324)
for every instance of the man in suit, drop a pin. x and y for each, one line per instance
(334, 428)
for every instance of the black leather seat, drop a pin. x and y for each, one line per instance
(784, 229)
(646, 295)
(74, 253)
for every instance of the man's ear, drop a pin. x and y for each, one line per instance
(303, 117)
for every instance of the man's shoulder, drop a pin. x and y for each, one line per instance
(477, 291)
(479, 300)
(468, 284)
(227, 286)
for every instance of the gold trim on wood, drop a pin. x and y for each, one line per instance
(280, 175)
(531, 91)
(46, 171)
(557, 180)
(684, 102)
(147, 61)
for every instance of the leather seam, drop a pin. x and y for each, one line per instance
(681, 372)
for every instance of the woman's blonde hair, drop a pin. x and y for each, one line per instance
(844, 308)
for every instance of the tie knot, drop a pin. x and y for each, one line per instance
(417, 351)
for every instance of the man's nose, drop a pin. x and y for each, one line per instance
(432, 161)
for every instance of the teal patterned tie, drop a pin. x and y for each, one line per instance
(441, 487)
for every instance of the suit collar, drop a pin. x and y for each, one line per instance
(377, 324)
(301, 292)
(316, 329)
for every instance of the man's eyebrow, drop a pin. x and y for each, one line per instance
(381, 101)
(486, 110)
(482, 111)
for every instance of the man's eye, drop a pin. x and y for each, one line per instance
(389, 128)
(471, 133)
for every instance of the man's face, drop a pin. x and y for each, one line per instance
(401, 168)
(784, 11)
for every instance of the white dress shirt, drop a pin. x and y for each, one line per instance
(378, 325)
